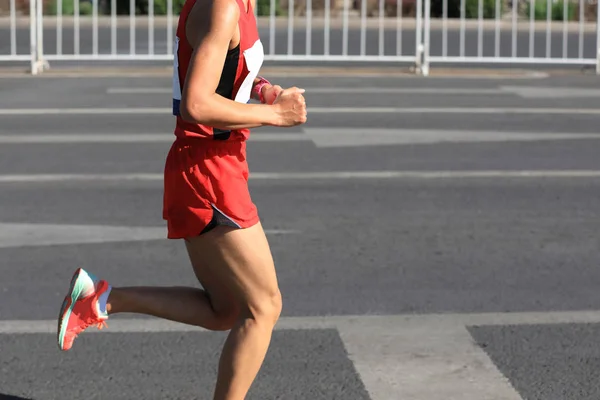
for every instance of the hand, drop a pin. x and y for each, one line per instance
(291, 107)
(270, 93)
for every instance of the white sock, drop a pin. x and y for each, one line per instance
(103, 299)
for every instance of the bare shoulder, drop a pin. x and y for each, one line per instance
(209, 17)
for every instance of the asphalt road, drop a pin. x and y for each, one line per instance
(393, 44)
(444, 253)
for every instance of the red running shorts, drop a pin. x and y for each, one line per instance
(205, 185)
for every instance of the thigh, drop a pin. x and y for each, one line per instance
(221, 297)
(237, 263)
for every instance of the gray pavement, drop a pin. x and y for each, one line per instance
(150, 380)
(417, 281)
(573, 345)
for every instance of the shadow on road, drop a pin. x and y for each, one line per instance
(10, 397)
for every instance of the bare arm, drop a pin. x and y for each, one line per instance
(210, 32)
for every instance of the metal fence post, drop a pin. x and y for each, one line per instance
(598, 37)
(39, 22)
(426, 38)
(33, 51)
(418, 34)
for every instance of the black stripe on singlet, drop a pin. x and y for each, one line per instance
(226, 84)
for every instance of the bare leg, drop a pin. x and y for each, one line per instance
(186, 305)
(236, 268)
(242, 261)
(211, 308)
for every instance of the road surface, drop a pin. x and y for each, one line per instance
(434, 239)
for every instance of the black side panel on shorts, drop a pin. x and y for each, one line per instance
(226, 84)
(219, 219)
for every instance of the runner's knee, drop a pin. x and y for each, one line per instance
(265, 307)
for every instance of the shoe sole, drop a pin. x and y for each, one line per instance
(75, 289)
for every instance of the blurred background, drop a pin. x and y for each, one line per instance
(434, 224)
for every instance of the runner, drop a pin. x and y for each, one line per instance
(206, 197)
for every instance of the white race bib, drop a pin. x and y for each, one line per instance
(254, 57)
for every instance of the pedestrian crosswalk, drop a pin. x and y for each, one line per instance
(392, 356)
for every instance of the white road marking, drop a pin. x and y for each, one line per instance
(132, 325)
(322, 137)
(359, 137)
(41, 178)
(22, 235)
(408, 357)
(139, 90)
(426, 174)
(133, 138)
(312, 176)
(86, 111)
(310, 72)
(25, 235)
(456, 110)
(312, 110)
(527, 92)
(422, 360)
(337, 90)
(534, 92)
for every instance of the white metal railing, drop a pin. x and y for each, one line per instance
(24, 40)
(343, 37)
(9, 50)
(11, 46)
(100, 31)
(438, 31)
(111, 28)
(526, 40)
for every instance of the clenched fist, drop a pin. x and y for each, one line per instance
(270, 93)
(290, 107)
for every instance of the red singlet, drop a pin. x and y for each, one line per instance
(206, 173)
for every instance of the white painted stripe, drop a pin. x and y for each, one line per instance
(531, 92)
(138, 90)
(426, 174)
(360, 137)
(455, 110)
(24, 235)
(327, 73)
(86, 111)
(536, 92)
(433, 361)
(86, 138)
(322, 137)
(40, 178)
(337, 90)
(312, 110)
(369, 322)
(133, 138)
(295, 176)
